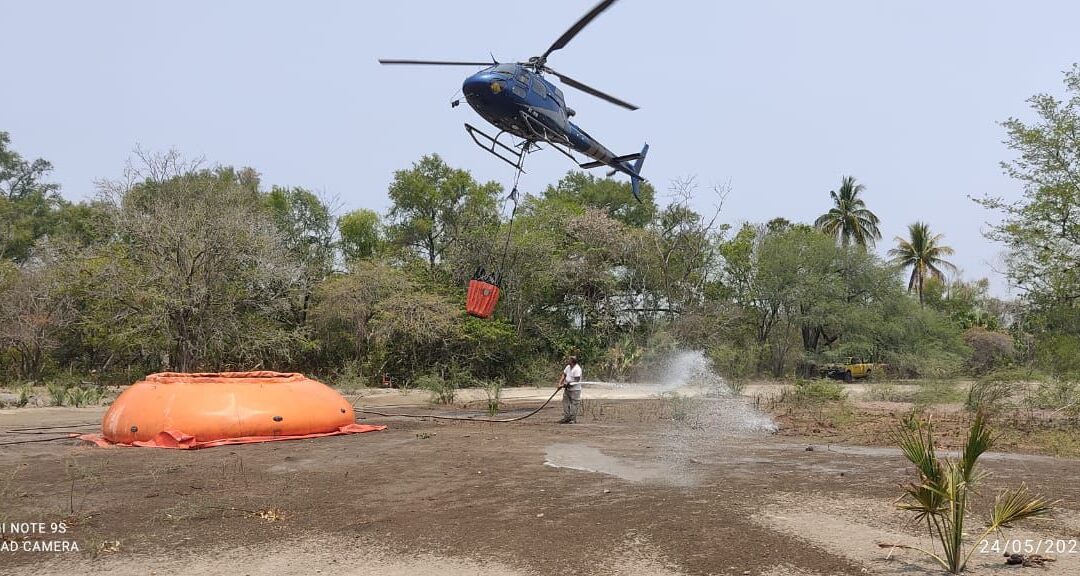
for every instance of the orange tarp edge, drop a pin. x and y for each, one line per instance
(181, 441)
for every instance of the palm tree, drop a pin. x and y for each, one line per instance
(849, 218)
(923, 252)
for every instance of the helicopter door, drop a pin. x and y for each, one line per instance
(539, 87)
(521, 85)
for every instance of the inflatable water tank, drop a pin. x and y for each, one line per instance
(230, 407)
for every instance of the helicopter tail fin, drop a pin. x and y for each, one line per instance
(635, 177)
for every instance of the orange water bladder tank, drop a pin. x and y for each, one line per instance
(222, 406)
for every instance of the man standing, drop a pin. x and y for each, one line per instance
(570, 382)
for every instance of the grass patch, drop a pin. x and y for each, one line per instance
(819, 405)
(682, 408)
(933, 392)
(886, 392)
(1062, 396)
(813, 392)
(988, 395)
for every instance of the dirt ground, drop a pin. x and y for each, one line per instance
(641, 485)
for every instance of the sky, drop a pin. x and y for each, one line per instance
(774, 100)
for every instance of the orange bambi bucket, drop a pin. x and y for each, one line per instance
(481, 299)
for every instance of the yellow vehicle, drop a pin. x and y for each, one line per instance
(850, 370)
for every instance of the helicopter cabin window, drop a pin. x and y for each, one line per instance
(557, 95)
(539, 87)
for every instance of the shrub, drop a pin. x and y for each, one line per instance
(79, 396)
(26, 393)
(814, 392)
(58, 393)
(442, 390)
(350, 376)
(1056, 394)
(989, 349)
(1058, 354)
(493, 389)
(989, 395)
(734, 363)
(934, 364)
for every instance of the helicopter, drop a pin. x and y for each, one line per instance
(518, 100)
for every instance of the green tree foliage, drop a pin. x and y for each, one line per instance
(923, 252)
(849, 219)
(28, 204)
(800, 296)
(1042, 230)
(307, 230)
(191, 268)
(360, 233)
(581, 189)
(434, 205)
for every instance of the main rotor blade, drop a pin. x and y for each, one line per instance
(577, 27)
(590, 90)
(436, 62)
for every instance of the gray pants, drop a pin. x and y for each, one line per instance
(571, 404)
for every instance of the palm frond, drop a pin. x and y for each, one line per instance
(1014, 505)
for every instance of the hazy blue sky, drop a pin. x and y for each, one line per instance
(777, 99)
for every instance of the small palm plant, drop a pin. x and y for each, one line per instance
(940, 498)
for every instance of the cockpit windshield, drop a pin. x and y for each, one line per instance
(505, 68)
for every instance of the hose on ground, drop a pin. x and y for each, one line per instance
(465, 418)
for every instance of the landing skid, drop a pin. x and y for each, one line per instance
(510, 155)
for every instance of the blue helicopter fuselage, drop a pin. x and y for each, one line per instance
(517, 100)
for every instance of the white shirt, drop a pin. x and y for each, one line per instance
(573, 376)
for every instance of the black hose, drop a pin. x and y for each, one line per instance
(76, 425)
(465, 418)
(36, 440)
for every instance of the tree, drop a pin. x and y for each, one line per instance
(35, 307)
(307, 230)
(1041, 231)
(201, 273)
(28, 204)
(360, 233)
(345, 306)
(676, 254)
(612, 196)
(434, 204)
(849, 219)
(923, 252)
